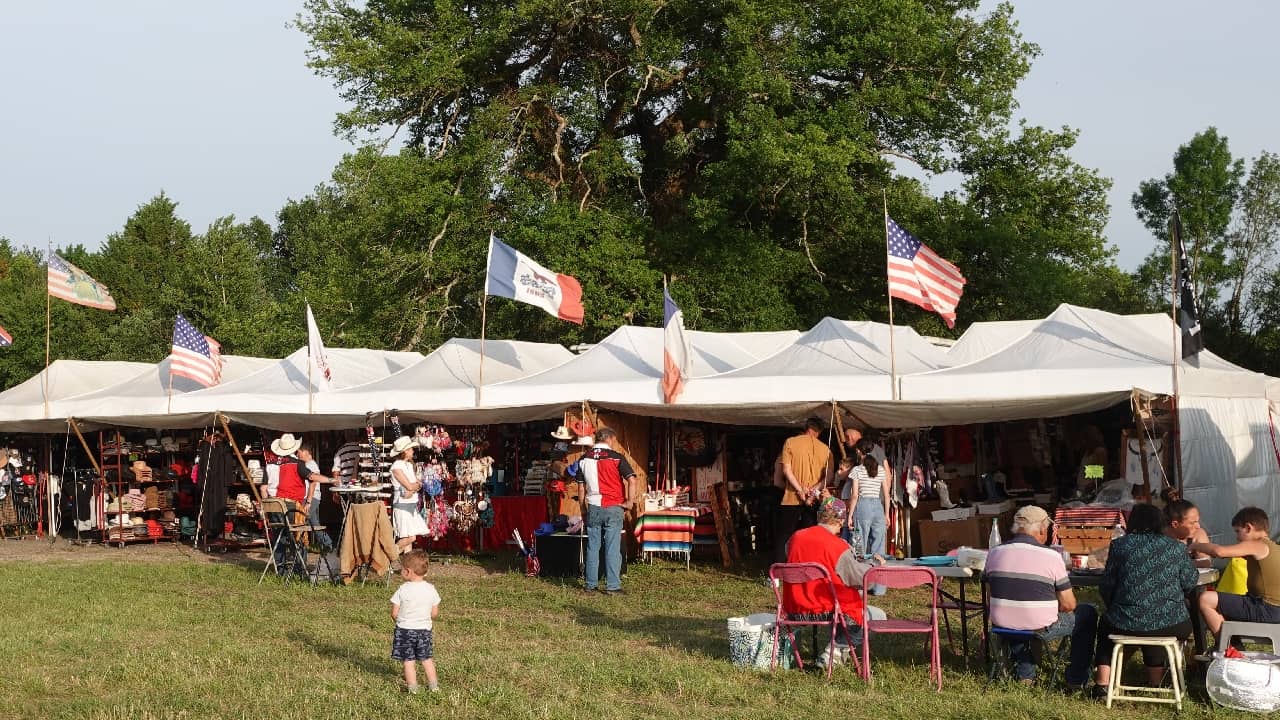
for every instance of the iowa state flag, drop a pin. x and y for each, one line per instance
(511, 274)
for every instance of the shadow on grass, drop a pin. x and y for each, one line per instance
(695, 635)
(360, 661)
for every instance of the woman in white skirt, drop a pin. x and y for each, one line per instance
(404, 503)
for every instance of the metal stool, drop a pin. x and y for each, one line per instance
(1116, 690)
(1002, 660)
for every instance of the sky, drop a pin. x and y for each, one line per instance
(107, 104)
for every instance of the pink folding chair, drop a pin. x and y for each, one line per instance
(898, 578)
(783, 574)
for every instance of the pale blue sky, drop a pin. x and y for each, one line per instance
(107, 103)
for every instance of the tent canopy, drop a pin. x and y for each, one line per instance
(985, 338)
(626, 367)
(143, 400)
(445, 380)
(23, 405)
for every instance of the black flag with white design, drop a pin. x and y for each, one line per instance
(1188, 314)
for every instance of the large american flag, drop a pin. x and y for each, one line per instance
(195, 355)
(919, 275)
(70, 283)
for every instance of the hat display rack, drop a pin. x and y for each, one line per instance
(22, 492)
(138, 498)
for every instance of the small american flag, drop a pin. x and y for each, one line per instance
(194, 355)
(5, 338)
(919, 275)
(70, 283)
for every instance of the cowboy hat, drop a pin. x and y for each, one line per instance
(587, 440)
(402, 443)
(286, 445)
(562, 433)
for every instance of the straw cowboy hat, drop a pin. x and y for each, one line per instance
(402, 443)
(562, 433)
(286, 445)
(587, 440)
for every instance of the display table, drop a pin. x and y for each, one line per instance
(669, 530)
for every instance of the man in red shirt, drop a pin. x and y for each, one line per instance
(607, 473)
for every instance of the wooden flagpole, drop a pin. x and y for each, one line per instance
(1175, 240)
(48, 312)
(484, 307)
(310, 360)
(893, 356)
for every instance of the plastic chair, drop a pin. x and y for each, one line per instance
(899, 578)
(781, 574)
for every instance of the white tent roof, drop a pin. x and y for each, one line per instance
(445, 379)
(143, 400)
(626, 368)
(279, 396)
(984, 338)
(1076, 360)
(834, 360)
(22, 407)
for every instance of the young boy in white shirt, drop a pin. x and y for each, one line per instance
(414, 607)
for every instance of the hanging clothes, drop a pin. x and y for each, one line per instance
(217, 472)
(1155, 466)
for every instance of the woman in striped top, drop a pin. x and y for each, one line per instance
(868, 502)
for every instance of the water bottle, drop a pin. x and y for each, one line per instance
(994, 538)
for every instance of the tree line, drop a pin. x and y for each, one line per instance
(746, 150)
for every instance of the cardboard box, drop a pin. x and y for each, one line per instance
(995, 508)
(938, 537)
(952, 514)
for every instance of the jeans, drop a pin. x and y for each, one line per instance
(1081, 626)
(604, 524)
(870, 522)
(321, 537)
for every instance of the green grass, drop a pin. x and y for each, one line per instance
(108, 636)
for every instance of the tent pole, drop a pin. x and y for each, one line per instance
(75, 427)
(1174, 241)
(893, 357)
(244, 468)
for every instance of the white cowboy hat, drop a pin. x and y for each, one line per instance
(562, 433)
(587, 440)
(286, 445)
(402, 443)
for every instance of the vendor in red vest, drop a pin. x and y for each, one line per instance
(293, 473)
(821, 544)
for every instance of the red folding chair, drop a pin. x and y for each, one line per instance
(898, 578)
(782, 574)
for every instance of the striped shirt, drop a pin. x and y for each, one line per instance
(1024, 579)
(346, 461)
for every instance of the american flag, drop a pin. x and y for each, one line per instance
(918, 275)
(70, 283)
(194, 355)
(5, 338)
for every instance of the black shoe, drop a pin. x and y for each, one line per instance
(588, 591)
(1097, 692)
(619, 591)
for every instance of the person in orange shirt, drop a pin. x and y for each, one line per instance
(807, 470)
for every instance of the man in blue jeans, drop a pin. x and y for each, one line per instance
(606, 473)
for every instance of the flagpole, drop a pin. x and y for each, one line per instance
(1175, 244)
(169, 409)
(48, 312)
(484, 308)
(893, 357)
(310, 360)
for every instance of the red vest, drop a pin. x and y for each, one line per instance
(291, 486)
(817, 545)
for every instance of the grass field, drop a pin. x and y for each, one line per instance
(158, 633)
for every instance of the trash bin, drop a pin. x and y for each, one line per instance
(751, 642)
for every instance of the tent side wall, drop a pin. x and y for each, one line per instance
(1229, 459)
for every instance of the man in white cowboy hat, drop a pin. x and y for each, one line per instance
(292, 474)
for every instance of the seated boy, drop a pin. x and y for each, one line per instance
(1262, 604)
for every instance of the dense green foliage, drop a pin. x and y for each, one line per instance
(746, 150)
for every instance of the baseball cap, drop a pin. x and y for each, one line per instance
(1030, 515)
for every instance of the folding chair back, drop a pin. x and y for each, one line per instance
(783, 574)
(901, 578)
(281, 543)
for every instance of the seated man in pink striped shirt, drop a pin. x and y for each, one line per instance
(1029, 589)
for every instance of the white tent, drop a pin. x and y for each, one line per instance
(443, 381)
(22, 407)
(984, 338)
(835, 360)
(281, 395)
(143, 400)
(625, 369)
